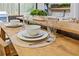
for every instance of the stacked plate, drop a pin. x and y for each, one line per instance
(23, 39)
(23, 35)
(13, 25)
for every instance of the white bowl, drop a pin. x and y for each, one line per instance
(15, 22)
(33, 29)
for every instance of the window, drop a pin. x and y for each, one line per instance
(13, 8)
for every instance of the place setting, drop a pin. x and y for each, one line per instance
(33, 36)
(13, 24)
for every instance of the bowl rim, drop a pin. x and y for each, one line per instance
(32, 27)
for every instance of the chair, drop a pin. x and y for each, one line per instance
(3, 17)
(15, 17)
(6, 46)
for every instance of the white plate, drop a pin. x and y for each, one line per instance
(20, 35)
(25, 34)
(11, 25)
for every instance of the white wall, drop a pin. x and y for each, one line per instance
(60, 14)
(74, 10)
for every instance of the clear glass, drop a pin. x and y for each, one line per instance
(51, 30)
(24, 22)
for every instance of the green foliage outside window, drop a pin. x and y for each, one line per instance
(38, 12)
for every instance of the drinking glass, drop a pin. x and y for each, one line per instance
(53, 31)
(25, 22)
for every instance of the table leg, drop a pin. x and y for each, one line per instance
(3, 34)
(6, 48)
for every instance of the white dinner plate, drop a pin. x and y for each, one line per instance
(20, 35)
(11, 25)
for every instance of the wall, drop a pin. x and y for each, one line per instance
(74, 10)
(60, 14)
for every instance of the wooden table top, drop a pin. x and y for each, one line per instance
(61, 25)
(62, 46)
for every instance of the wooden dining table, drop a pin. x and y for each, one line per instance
(62, 46)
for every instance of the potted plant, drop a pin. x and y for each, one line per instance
(38, 14)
